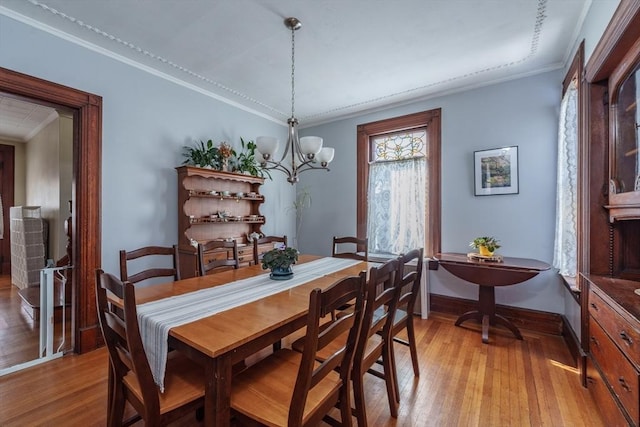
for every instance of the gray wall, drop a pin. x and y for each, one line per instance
(146, 122)
(522, 112)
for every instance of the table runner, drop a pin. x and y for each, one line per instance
(156, 318)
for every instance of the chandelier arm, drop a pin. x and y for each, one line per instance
(271, 165)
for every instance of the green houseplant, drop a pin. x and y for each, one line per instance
(203, 155)
(279, 260)
(245, 161)
(485, 245)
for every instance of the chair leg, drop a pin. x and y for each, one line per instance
(412, 346)
(345, 405)
(109, 393)
(394, 371)
(358, 399)
(117, 408)
(389, 380)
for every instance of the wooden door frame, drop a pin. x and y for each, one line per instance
(8, 152)
(86, 192)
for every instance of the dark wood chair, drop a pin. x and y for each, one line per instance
(258, 243)
(405, 308)
(130, 378)
(155, 253)
(375, 336)
(222, 260)
(302, 390)
(360, 248)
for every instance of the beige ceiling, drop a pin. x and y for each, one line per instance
(351, 55)
(20, 120)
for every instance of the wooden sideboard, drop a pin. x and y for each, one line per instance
(216, 205)
(614, 347)
(609, 219)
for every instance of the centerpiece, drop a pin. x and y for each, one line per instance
(279, 260)
(485, 245)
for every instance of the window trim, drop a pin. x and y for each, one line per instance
(431, 119)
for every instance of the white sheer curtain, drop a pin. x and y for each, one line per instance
(565, 247)
(396, 205)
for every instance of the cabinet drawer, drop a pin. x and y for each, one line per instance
(620, 331)
(618, 371)
(607, 406)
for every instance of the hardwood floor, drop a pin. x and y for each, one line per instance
(462, 383)
(19, 334)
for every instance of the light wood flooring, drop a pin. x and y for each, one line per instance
(19, 334)
(462, 383)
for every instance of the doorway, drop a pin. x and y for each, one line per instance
(86, 192)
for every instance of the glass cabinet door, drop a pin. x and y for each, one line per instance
(626, 157)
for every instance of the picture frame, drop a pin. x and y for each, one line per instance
(496, 171)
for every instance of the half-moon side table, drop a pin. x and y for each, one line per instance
(487, 275)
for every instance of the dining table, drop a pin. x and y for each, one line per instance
(221, 340)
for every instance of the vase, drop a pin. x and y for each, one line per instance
(484, 251)
(279, 273)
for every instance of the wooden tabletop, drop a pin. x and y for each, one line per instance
(490, 273)
(507, 262)
(226, 331)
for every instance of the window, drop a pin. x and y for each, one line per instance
(565, 254)
(399, 183)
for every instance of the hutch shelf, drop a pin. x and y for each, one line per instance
(216, 205)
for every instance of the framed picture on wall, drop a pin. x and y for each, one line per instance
(496, 171)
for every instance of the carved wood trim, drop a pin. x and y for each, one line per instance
(623, 30)
(87, 184)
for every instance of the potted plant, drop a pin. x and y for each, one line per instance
(279, 260)
(245, 161)
(485, 245)
(203, 154)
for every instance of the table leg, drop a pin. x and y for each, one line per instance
(486, 314)
(217, 411)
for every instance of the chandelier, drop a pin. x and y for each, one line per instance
(307, 152)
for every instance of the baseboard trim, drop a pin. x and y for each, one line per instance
(573, 344)
(533, 320)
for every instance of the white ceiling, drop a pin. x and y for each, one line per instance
(351, 56)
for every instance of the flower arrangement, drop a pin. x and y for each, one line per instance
(486, 245)
(279, 258)
(225, 151)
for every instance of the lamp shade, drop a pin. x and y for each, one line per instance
(325, 155)
(267, 145)
(310, 144)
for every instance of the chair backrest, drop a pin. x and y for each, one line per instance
(360, 248)
(380, 293)
(150, 251)
(257, 243)
(122, 337)
(223, 248)
(409, 292)
(310, 373)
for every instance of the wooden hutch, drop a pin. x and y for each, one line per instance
(216, 205)
(609, 249)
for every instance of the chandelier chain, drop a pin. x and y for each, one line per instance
(293, 69)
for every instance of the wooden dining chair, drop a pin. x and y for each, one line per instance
(360, 248)
(271, 241)
(374, 338)
(289, 388)
(405, 308)
(154, 254)
(130, 376)
(222, 260)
